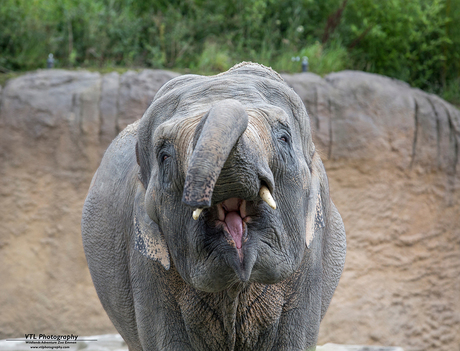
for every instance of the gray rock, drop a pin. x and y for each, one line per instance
(108, 106)
(360, 115)
(136, 93)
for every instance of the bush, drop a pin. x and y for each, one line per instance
(414, 40)
(404, 39)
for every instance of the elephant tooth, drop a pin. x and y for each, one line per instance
(243, 209)
(220, 212)
(264, 193)
(197, 213)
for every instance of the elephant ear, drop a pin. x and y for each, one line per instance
(315, 215)
(148, 238)
(325, 222)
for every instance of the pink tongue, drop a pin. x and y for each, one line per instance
(235, 227)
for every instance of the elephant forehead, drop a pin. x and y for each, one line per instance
(180, 130)
(195, 95)
(259, 129)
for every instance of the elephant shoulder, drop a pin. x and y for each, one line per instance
(125, 140)
(119, 161)
(114, 182)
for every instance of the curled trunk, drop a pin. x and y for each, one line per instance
(223, 125)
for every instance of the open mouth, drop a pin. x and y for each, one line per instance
(232, 216)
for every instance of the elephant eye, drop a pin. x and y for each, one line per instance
(284, 138)
(164, 156)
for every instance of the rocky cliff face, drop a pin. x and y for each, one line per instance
(392, 160)
(54, 128)
(391, 153)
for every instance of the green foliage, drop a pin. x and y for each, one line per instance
(405, 39)
(451, 92)
(325, 59)
(322, 59)
(213, 59)
(414, 40)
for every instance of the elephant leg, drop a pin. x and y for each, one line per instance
(107, 256)
(159, 320)
(299, 323)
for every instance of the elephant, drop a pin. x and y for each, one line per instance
(209, 225)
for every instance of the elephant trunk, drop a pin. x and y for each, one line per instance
(223, 125)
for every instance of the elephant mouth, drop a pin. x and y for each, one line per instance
(233, 227)
(232, 215)
(232, 218)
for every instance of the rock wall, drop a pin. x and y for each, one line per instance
(54, 128)
(391, 153)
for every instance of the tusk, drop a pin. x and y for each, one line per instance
(197, 213)
(264, 193)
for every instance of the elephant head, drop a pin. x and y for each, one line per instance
(230, 189)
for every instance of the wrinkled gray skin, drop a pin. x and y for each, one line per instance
(169, 282)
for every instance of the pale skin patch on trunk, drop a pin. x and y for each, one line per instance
(258, 132)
